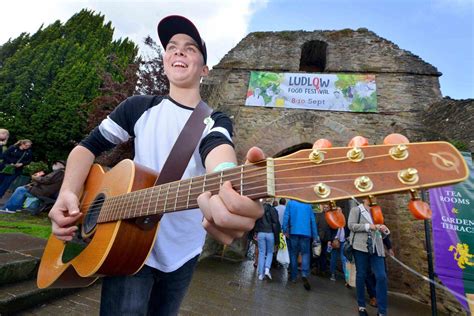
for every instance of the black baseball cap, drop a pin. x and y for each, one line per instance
(176, 24)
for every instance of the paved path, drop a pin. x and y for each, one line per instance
(221, 287)
(225, 288)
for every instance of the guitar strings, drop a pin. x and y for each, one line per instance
(181, 204)
(139, 199)
(195, 205)
(217, 175)
(212, 180)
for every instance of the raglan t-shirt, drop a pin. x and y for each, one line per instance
(155, 123)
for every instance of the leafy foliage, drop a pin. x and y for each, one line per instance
(460, 145)
(36, 166)
(144, 77)
(46, 78)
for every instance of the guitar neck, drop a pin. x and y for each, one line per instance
(310, 176)
(249, 180)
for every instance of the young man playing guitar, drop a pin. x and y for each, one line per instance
(155, 122)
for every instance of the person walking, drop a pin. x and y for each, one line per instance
(266, 228)
(299, 225)
(281, 209)
(337, 251)
(368, 251)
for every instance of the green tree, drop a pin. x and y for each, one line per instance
(46, 78)
(146, 76)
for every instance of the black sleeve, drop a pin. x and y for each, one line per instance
(387, 242)
(8, 155)
(275, 220)
(125, 115)
(214, 139)
(96, 143)
(28, 158)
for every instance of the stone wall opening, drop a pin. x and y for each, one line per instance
(292, 149)
(313, 56)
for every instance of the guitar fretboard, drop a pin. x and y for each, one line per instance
(248, 180)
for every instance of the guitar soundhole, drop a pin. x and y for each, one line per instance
(74, 247)
(90, 221)
(83, 235)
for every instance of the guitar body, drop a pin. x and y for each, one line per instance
(114, 248)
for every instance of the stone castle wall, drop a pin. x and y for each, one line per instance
(406, 87)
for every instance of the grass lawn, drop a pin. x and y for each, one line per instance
(38, 226)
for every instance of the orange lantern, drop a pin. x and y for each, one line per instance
(335, 218)
(394, 139)
(377, 215)
(322, 143)
(420, 209)
(358, 141)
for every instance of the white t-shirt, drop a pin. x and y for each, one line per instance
(156, 123)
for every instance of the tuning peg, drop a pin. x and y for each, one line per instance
(358, 141)
(375, 210)
(395, 139)
(420, 209)
(317, 155)
(322, 143)
(334, 216)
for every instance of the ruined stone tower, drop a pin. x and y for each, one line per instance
(406, 87)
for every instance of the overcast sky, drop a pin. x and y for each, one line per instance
(439, 31)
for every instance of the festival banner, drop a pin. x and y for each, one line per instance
(453, 236)
(331, 92)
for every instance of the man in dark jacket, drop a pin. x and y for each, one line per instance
(41, 186)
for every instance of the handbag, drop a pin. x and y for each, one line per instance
(336, 244)
(10, 168)
(348, 250)
(283, 257)
(316, 248)
(350, 274)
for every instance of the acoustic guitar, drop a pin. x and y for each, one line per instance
(122, 208)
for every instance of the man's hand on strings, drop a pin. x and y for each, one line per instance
(64, 216)
(228, 215)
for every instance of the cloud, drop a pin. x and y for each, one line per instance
(222, 23)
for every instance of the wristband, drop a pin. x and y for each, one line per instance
(224, 165)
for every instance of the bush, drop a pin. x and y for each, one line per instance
(34, 167)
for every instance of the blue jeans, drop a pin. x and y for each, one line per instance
(15, 202)
(148, 292)
(377, 264)
(335, 253)
(299, 244)
(266, 243)
(5, 181)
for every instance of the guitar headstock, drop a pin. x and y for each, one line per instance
(327, 174)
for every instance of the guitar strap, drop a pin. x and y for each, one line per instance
(180, 154)
(185, 145)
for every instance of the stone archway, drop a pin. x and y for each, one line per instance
(292, 149)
